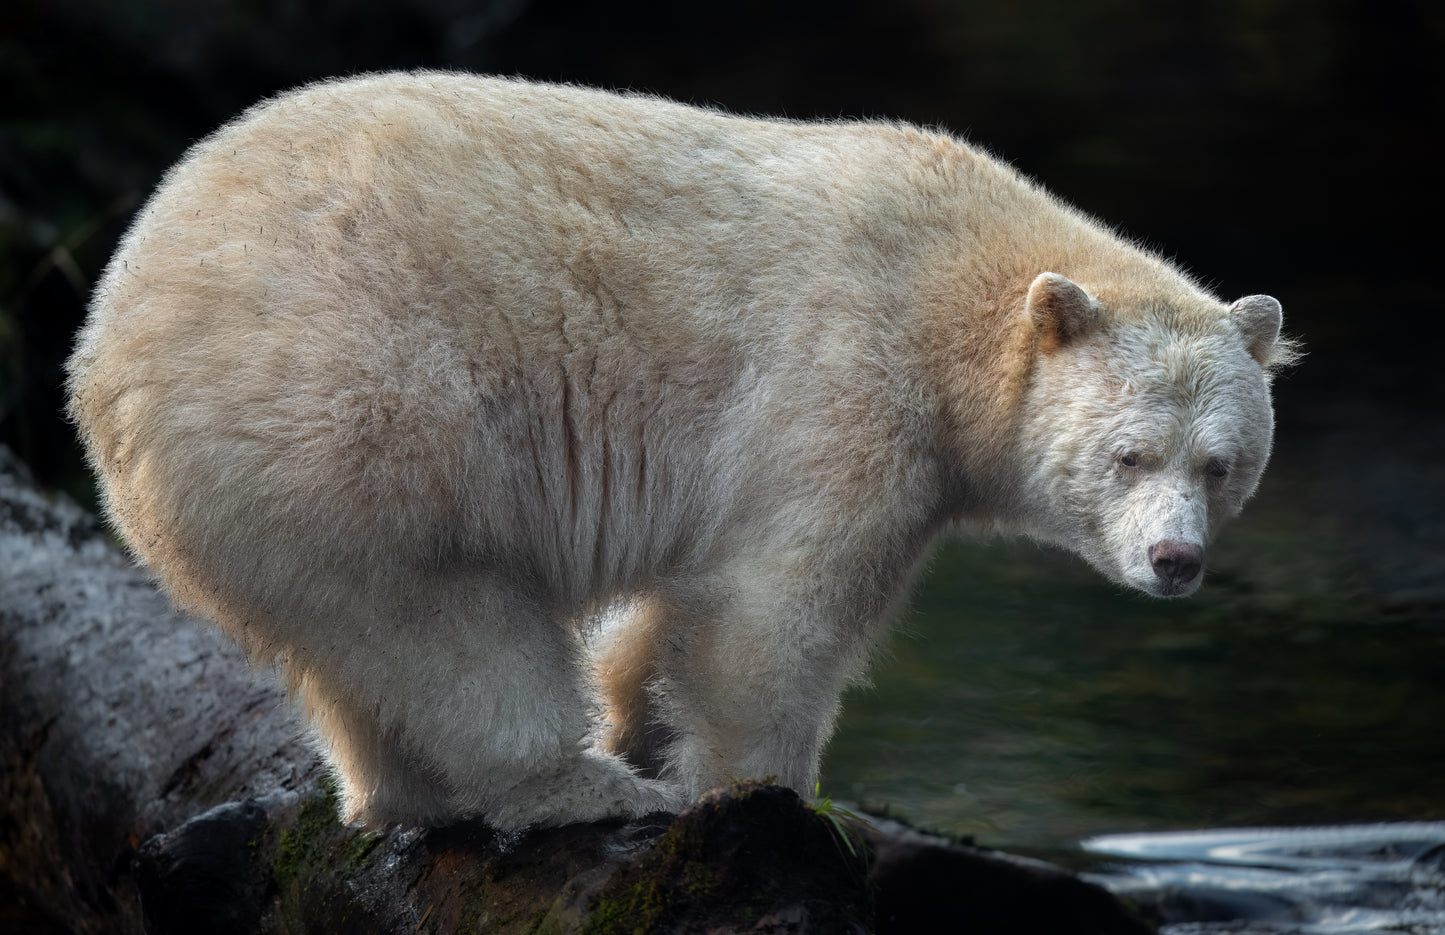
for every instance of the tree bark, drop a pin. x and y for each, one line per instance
(150, 781)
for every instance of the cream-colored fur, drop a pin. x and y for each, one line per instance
(404, 379)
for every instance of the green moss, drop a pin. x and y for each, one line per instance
(675, 869)
(733, 858)
(302, 844)
(536, 926)
(318, 842)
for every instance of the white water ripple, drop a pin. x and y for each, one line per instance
(1342, 880)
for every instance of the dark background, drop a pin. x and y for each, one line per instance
(1288, 148)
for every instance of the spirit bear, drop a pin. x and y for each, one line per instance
(404, 380)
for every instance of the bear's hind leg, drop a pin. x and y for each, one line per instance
(485, 691)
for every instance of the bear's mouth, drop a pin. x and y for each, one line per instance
(1142, 576)
(1175, 589)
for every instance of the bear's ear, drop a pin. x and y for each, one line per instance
(1060, 310)
(1258, 318)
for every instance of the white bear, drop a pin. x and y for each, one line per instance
(405, 379)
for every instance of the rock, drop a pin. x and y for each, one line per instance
(928, 884)
(750, 858)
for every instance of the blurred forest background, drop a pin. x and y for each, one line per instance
(1277, 146)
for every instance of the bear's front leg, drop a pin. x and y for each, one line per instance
(751, 670)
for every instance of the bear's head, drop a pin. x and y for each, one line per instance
(1147, 423)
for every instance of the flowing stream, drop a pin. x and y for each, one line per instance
(1033, 706)
(1341, 880)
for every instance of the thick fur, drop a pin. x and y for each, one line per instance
(404, 379)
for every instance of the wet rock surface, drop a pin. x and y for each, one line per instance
(988, 890)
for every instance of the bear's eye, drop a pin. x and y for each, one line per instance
(1130, 460)
(1216, 468)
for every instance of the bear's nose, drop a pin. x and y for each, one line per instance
(1175, 563)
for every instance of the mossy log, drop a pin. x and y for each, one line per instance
(150, 782)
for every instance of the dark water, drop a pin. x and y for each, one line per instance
(1031, 704)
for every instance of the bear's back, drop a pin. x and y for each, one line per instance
(350, 308)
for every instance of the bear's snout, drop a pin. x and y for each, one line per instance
(1175, 563)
